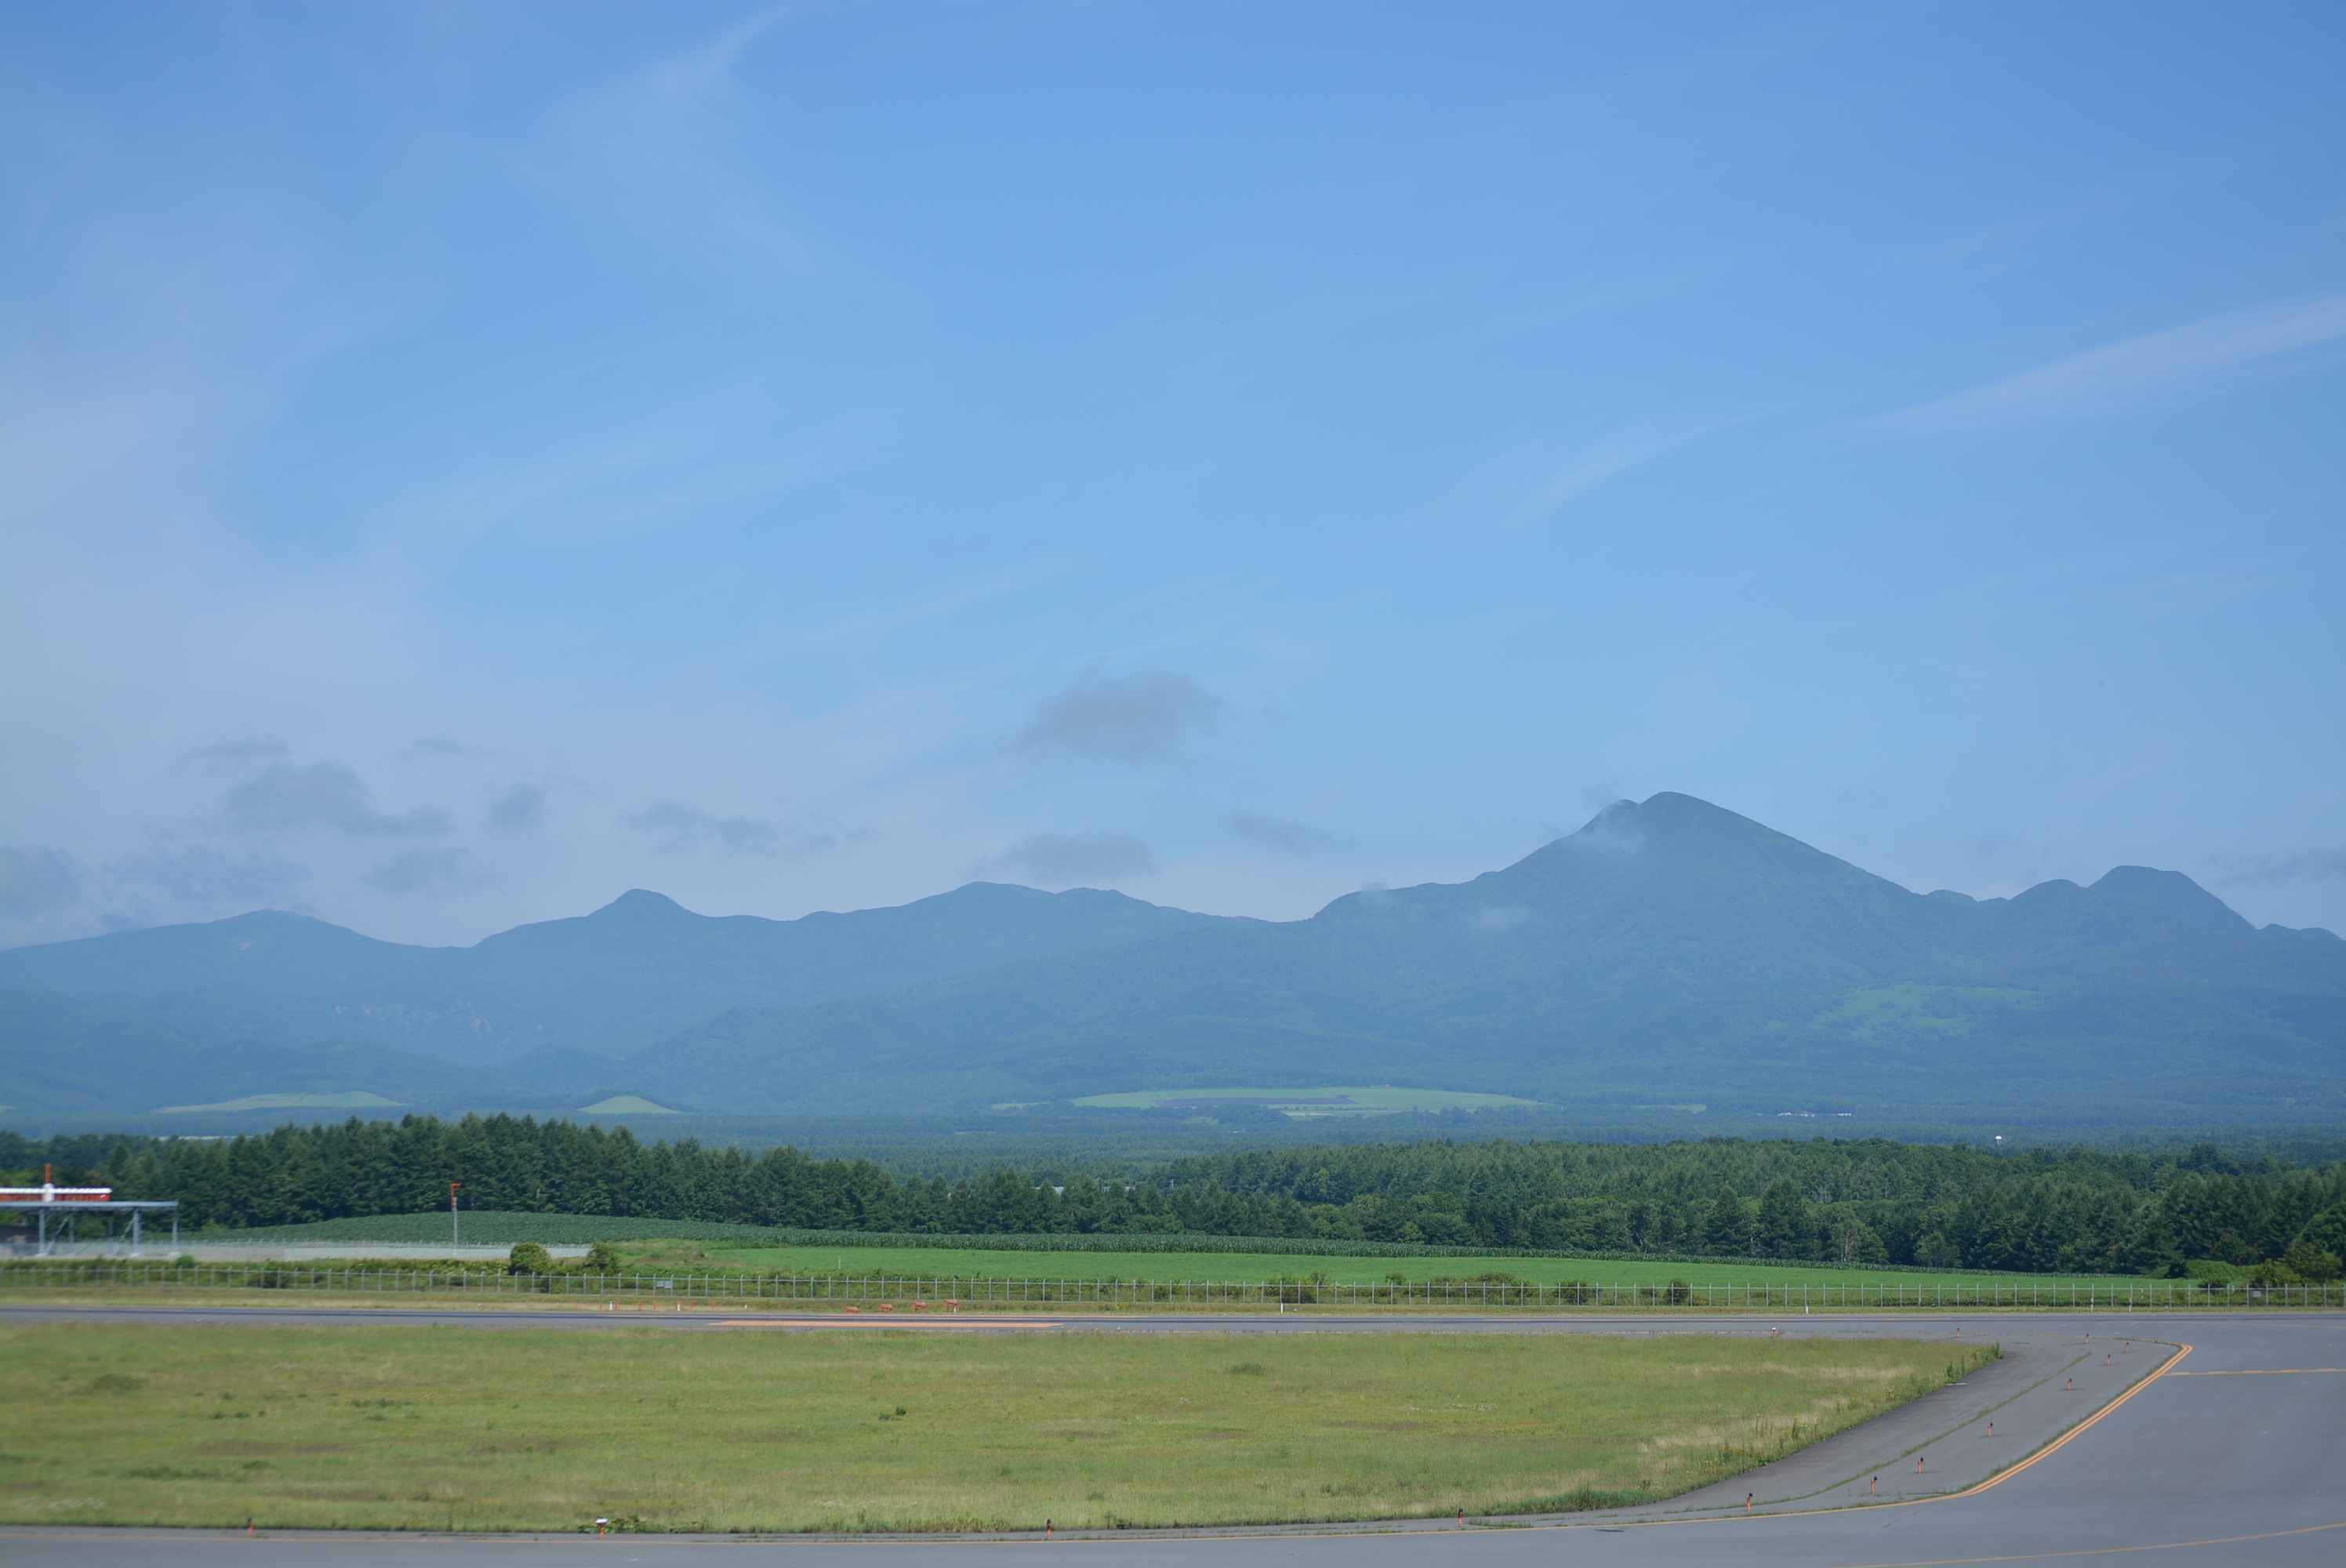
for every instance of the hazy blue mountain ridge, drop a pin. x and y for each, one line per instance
(1669, 952)
(2171, 893)
(67, 1055)
(615, 980)
(268, 952)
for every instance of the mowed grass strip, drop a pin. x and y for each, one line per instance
(917, 1262)
(758, 1429)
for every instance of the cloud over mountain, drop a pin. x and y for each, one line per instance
(1296, 837)
(1142, 717)
(283, 797)
(202, 875)
(1058, 860)
(523, 806)
(424, 871)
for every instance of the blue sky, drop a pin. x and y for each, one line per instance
(459, 461)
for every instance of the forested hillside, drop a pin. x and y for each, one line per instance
(1866, 1200)
(1669, 950)
(1667, 954)
(619, 979)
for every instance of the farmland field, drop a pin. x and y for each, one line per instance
(380, 1428)
(711, 1246)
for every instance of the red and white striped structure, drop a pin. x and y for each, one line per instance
(67, 1203)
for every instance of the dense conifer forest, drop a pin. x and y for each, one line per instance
(1850, 1201)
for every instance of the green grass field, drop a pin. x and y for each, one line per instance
(947, 1263)
(1075, 1257)
(368, 1428)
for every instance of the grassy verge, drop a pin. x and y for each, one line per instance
(1236, 1256)
(990, 1265)
(381, 1427)
(833, 1275)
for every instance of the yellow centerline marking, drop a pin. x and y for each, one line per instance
(2181, 1350)
(1996, 1479)
(2062, 1442)
(2260, 1372)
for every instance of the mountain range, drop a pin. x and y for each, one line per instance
(1669, 953)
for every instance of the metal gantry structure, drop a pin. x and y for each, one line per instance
(58, 1211)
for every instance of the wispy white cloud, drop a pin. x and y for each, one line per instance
(2202, 359)
(424, 871)
(37, 879)
(322, 795)
(203, 877)
(1593, 465)
(1295, 837)
(237, 755)
(1063, 860)
(2297, 866)
(50, 894)
(677, 827)
(1539, 479)
(655, 153)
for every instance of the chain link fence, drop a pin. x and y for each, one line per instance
(886, 1293)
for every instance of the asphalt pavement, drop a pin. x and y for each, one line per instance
(2161, 1437)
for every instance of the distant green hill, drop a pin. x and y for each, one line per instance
(66, 1055)
(618, 980)
(1669, 953)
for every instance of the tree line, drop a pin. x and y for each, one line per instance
(1867, 1200)
(1855, 1201)
(296, 1175)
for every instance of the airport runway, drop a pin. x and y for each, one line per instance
(2232, 1451)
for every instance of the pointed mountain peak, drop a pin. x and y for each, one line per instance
(2172, 894)
(639, 904)
(1673, 822)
